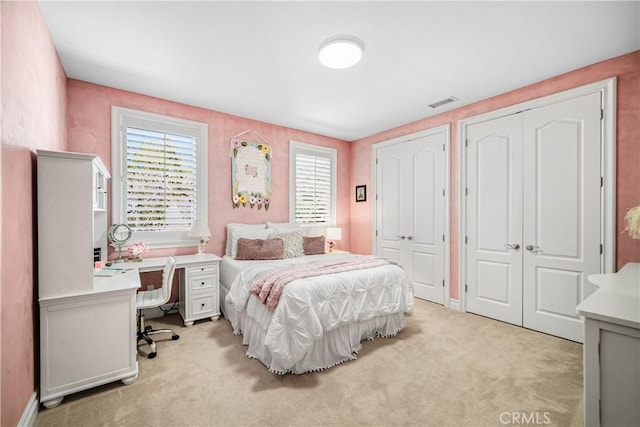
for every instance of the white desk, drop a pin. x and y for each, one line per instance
(88, 338)
(199, 285)
(612, 348)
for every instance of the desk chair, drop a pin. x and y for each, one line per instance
(155, 298)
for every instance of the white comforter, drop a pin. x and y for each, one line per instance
(309, 308)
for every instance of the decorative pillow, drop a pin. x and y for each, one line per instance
(313, 245)
(260, 249)
(293, 246)
(246, 233)
(234, 227)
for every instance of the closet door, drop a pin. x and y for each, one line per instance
(561, 245)
(410, 211)
(494, 219)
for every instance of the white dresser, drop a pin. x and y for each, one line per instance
(612, 349)
(87, 323)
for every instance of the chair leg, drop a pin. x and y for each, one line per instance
(144, 333)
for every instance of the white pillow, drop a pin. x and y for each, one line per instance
(237, 227)
(284, 226)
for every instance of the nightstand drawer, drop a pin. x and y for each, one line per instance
(204, 304)
(203, 270)
(202, 283)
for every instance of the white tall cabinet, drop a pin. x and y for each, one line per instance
(612, 349)
(87, 323)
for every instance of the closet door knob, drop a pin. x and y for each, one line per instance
(401, 237)
(532, 248)
(409, 237)
(513, 245)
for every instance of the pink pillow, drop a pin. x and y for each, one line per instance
(313, 245)
(254, 249)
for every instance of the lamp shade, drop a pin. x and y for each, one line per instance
(334, 233)
(199, 228)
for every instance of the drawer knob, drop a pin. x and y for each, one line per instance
(202, 305)
(201, 283)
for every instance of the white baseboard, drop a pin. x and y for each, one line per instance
(454, 304)
(28, 418)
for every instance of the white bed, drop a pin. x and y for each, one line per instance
(319, 322)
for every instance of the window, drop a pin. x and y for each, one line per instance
(159, 176)
(312, 183)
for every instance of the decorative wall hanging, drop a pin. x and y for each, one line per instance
(361, 193)
(250, 171)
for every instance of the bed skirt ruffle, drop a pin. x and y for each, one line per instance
(335, 347)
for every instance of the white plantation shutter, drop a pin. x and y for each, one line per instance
(159, 169)
(161, 180)
(312, 184)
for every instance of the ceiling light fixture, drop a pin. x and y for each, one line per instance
(341, 52)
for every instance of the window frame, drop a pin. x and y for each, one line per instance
(295, 148)
(121, 118)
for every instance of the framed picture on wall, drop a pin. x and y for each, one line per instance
(361, 193)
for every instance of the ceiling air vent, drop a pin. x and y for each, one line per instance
(443, 102)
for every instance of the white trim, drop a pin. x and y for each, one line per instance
(607, 89)
(30, 412)
(446, 128)
(294, 147)
(118, 159)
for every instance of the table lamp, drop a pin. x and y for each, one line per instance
(200, 229)
(333, 234)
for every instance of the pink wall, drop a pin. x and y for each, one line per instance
(627, 70)
(89, 130)
(33, 117)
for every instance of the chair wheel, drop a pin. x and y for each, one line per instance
(148, 329)
(152, 355)
(175, 337)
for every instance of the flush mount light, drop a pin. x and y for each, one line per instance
(341, 52)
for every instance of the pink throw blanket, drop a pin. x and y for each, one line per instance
(268, 285)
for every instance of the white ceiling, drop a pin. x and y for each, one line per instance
(259, 59)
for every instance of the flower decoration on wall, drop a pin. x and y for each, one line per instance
(250, 174)
(137, 250)
(632, 222)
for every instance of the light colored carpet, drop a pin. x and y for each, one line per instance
(446, 368)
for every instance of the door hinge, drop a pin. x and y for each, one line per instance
(601, 114)
(466, 191)
(443, 192)
(466, 142)
(443, 283)
(465, 240)
(376, 233)
(443, 237)
(376, 196)
(601, 248)
(443, 147)
(602, 181)
(466, 287)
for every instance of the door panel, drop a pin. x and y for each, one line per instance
(557, 292)
(561, 213)
(494, 219)
(388, 176)
(424, 237)
(410, 211)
